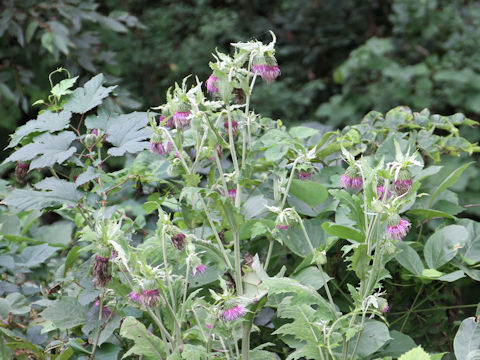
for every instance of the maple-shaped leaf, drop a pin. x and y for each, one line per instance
(58, 192)
(46, 121)
(46, 150)
(87, 97)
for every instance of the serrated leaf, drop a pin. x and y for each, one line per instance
(59, 192)
(46, 150)
(66, 313)
(87, 97)
(62, 88)
(146, 343)
(46, 121)
(415, 354)
(33, 256)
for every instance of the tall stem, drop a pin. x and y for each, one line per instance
(292, 173)
(233, 153)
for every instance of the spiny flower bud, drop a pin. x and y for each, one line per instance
(179, 241)
(351, 179)
(383, 305)
(21, 171)
(403, 184)
(239, 96)
(397, 227)
(210, 84)
(266, 66)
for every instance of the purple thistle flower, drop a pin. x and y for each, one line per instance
(94, 132)
(135, 297)
(305, 175)
(234, 127)
(397, 227)
(402, 186)
(199, 270)
(210, 83)
(381, 192)
(106, 310)
(169, 124)
(351, 179)
(282, 227)
(266, 67)
(159, 148)
(180, 119)
(234, 313)
(149, 298)
(179, 241)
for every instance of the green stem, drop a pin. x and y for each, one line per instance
(411, 307)
(233, 153)
(160, 326)
(292, 173)
(269, 254)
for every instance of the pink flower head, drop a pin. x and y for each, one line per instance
(208, 326)
(160, 148)
(180, 119)
(305, 175)
(169, 124)
(234, 127)
(402, 186)
(266, 67)
(149, 298)
(94, 132)
(351, 179)
(385, 308)
(381, 192)
(199, 270)
(211, 88)
(135, 297)
(232, 194)
(282, 226)
(233, 313)
(397, 227)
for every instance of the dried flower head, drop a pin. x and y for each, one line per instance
(403, 183)
(149, 298)
(100, 273)
(179, 240)
(21, 171)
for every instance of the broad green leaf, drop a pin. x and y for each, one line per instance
(108, 352)
(311, 192)
(276, 152)
(399, 344)
(87, 97)
(66, 313)
(311, 276)
(343, 232)
(453, 276)
(467, 338)
(471, 250)
(72, 257)
(46, 121)
(443, 245)
(431, 273)
(146, 344)
(46, 150)
(33, 256)
(19, 304)
(449, 181)
(302, 132)
(409, 259)
(62, 88)
(374, 335)
(426, 214)
(415, 354)
(59, 192)
(88, 175)
(59, 233)
(295, 240)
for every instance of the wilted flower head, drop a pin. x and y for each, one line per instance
(233, 313)
(157, 146)
(21, 171)
(397, 227)
(100, 273)
(179, 241)
(403, 182)
(149, 298)
(351, 179)
(210, 83)
(266, 66)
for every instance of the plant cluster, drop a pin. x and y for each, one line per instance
(225, 235)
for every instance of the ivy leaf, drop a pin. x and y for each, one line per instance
(54, 149)
(146, 343)
(59, 192)
(87, 97)
(128, 133)
(46, 121)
